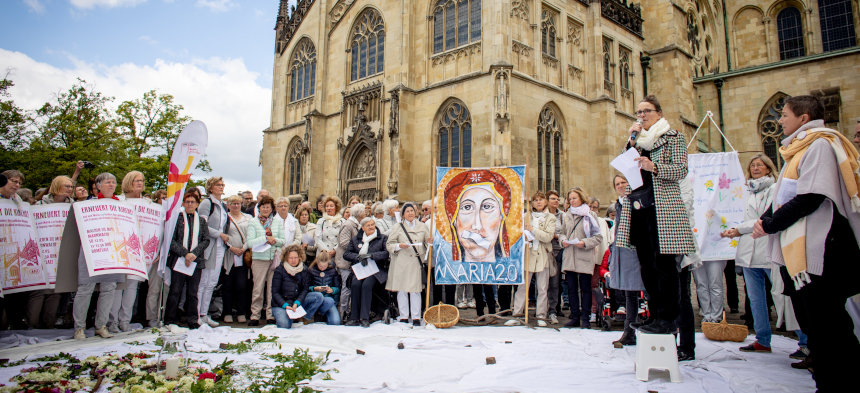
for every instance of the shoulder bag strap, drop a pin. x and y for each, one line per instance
(237, 230)
(405, 232)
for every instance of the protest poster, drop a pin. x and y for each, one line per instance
(109, 237)
(19, 250)
(50, 220)
(478, 231)
(149, 221)
(720, 194)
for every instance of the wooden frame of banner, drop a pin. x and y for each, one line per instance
(432, 221)
(526, 251)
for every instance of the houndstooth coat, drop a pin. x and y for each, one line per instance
(673, 224)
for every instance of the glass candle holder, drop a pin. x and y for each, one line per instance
(173, 356)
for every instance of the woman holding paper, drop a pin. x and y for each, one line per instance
(105, 184)
(187, 248)
(580, 234)
(541, 230)
(406, 246)
(365, 250)
(264, 238)
(235, 271)
(653, 217)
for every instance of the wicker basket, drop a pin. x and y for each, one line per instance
(724, 331)
(442, 315)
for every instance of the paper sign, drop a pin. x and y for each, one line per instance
(308, 239)
(180, 267)
(109, 237)
(300, 312)
(150, 229)
(719, 199)
(572, 242)
(626, 164)
(362, 272)
(261, 247)
(50, 220)
(19, 250)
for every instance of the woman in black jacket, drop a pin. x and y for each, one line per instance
(190, 240)
(368, 245)
(290, 284)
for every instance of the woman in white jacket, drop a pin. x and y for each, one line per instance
(752, 253)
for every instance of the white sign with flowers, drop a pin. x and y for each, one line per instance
(719, 198)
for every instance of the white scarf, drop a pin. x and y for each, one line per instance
(536, 221)
(410, 224)
(293, 270)
(332, 219)
(647, 138)
(196, 230)
(365, 241)
(589, 224)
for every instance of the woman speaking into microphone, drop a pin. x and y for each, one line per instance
(653, 217)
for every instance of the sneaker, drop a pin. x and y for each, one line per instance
(462, 305)
(541, 323)
(241, 319)
(228, 318)
(553, 319)
(103, 332)
(513, 322)
(210, 321)
(471, 303)
(365, 323)
(621, 310)
(592, 318)
(800, 354)
(79, 334)
(111, 327)
(124, 327)
(755, 347)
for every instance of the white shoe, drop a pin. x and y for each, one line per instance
(211, 321)
(228, 318)
(472, 303)
(462, 305)
(241, 319)
(103, 332)
(621, 310)
(111, 327)
(593, 318)
(205, 320)
(124, 327)
(553, 319)
(513, 322)
(79, 334)
(541, 323)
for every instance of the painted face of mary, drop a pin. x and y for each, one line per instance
(478, 223)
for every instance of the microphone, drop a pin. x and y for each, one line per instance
(634, 134)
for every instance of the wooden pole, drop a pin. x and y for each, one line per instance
(432, 226)
(526, 250)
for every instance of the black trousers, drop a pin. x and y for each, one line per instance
(178, 282)
(731, 284)
(442, 293)
(686, 319)
(579, 283)
(361, 297)
(554, 291)
(505, 294)
(659, 271)
(484, 297)
(631, 303)
(235, 284)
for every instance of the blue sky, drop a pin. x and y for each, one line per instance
(214, 56)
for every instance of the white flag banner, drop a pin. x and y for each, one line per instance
(720, 192)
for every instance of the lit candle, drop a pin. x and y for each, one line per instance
(172, 368)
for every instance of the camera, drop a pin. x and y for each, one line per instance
(88, 164)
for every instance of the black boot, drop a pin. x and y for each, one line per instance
(627, 338)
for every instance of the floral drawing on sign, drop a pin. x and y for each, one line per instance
(709, 185)
(724, 182)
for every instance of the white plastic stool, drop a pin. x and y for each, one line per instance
(656, 351)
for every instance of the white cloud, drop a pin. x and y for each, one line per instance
(222, 93)
(104, 3)
(35, 6)
(147, 39)
(216, 5)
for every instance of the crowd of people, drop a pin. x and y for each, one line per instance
(281, 260)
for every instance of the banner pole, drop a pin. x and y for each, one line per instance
(432, 222)
(526, 251)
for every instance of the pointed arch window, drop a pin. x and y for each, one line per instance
(367, 46)
(295, 162)
(769, 129)
(837, 24)
(455, 23)
(303, 68)
(549, 150)
(624, 68)
(790, 31)
(455, 136)
(548, 31)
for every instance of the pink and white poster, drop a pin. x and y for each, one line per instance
(50, 221)
(19, 250)
(109, 237)
(149, 220)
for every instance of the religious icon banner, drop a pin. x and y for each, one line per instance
(149, 220)
(720, 193)
(478, 225)
(109, 237)
(50, 221)
(19, 250)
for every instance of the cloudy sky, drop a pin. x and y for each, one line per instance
(214, 56)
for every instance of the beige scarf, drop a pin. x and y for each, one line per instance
(648, 138)
(293, 270)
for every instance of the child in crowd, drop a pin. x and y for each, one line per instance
(325, 278)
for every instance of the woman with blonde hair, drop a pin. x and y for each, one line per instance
(580, 234)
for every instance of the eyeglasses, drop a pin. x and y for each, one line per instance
(644, 111)
(16, 181)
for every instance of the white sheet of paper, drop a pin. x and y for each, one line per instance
(626, 165)
(571, 242)
(529, 236)
(308, 239)
(414, 244)
(300, 312)
(397, 216)
(362, 272)
(181, 268)
(787, 192)
(237, 260)
(262, 247)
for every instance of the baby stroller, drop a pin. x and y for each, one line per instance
(604, 308)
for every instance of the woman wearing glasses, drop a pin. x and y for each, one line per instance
(653, 216)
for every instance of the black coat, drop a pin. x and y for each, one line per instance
(376, 249)
(287, 288)
(177, 249)
(326, 278)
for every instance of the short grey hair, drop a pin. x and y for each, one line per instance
(365, 220)
(358, 210)
(104, 176)
(427, 203)
(377, 208)
(282, 199)
(389, 204)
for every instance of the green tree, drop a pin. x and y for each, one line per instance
(13, 123)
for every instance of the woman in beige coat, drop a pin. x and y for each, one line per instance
(542, 228)
(580, 234)
(407, 261)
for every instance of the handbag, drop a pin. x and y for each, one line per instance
(417, 255)
(247, 255)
